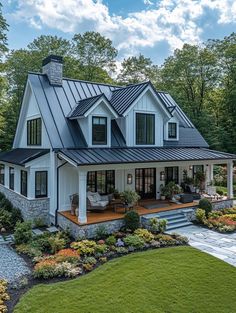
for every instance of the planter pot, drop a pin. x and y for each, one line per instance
(163, 197)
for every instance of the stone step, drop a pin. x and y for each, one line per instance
(178, 225)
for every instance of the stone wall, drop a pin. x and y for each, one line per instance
(88, 231)
(30, 209)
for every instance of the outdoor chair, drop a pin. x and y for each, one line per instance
(97, 202)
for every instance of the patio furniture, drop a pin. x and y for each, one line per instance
(186, 198)
(96, 202)
(74, 203)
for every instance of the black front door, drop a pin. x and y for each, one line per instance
(145, 182)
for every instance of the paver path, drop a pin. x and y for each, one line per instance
(12, 266)
(222, 246)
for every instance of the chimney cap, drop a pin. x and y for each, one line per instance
(52, 58)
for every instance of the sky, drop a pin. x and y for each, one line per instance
(153, 28)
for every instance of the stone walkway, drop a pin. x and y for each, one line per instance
(222, 246)
(12, 267)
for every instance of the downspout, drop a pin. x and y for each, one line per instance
(57, 207)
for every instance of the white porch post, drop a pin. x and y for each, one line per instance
(82, 177)
(230, 179)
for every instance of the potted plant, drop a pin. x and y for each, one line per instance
(163, 197)
(130, 197)
(170, 190)
(199, 180)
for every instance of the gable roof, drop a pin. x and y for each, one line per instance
(75, 97)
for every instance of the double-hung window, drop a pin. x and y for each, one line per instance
(172, 130)
(23, 183)
(11, 177)
(41, 184)
(99, 130)
(145, 129)
(2, 174)
(34, 132)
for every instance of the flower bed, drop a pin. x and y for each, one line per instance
(223, 221)
(3, 296)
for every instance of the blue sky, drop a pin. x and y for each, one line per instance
(153, 28)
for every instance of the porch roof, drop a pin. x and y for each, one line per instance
(94, 156)
(20, 156)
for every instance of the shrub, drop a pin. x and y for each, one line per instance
(3, 296)
(134, 241)
(166, 240)
(214, 214)
(29, 250)
(162, 225)
(88, 267)
(146, 235)
(67, 269)
(157, 226)
(101, 232)
(121, 250)
(200, 215)
(68, 255)
(23, 232)
(42, 242)
(229, 211)
(111, 241)
(206, 205)
(45, 269)
(84, 247)
(5, 219)
(219, 191)
(101, 249)
(56, 243)
(90, 260)
(132, 220)
(38, 222)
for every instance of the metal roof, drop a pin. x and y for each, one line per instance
(57, 102)
(20, 156)
(96, 156)
(83, 106)
(123, 97)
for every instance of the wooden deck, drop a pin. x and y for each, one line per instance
(110, 215)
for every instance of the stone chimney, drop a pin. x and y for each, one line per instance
(53, 68)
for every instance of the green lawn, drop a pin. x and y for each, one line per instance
(171, 280)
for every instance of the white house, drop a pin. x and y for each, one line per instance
(74, 134)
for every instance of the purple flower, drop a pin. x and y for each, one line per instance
(120, 243)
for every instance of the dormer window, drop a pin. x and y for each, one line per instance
(145, 129)
(34, 132)
(99, 130)
(172, 130)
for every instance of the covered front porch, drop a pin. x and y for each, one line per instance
(146, 178)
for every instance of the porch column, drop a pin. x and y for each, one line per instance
(82, 177)
(230, 179)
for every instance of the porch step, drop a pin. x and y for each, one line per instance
(175, 220)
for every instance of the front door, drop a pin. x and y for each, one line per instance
(145, 182)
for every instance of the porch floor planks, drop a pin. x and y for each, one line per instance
(110, 215)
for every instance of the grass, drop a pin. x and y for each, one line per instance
(172, 280)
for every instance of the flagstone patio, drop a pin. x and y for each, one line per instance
(222, 246)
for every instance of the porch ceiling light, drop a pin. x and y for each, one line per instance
(129, 179)
(162, 175)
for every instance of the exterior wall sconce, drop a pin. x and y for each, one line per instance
(162, 176)
(190, 167)
(129, 179)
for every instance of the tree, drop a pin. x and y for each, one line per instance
(136, 69)
(95, 54)
(3, 34)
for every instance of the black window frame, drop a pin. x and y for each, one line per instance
(96, 130)
(145, 130)
(2, 174)
(34, 132)
(172, 174)
(41, 195)
(11, 178)
(171, 129)
(93, 181)
(197, 168)
(24, 183)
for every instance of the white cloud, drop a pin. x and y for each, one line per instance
(173, 21)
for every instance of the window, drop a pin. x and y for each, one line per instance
(102, 182)
(41, 184)
(197, 168)
(34, 130)
(145, 129)
(2, 174)
(23, 183)
(11, 178)
(99, 130)
(172, 130)
(172, 174)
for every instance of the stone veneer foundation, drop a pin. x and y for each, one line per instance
(30, 208)
(89, 231)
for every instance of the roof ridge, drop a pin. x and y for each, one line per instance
(79, 80)
(96, 96)
(132, 85)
